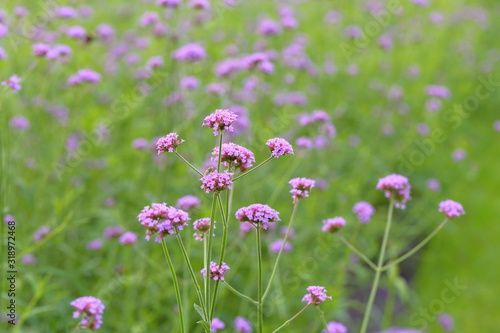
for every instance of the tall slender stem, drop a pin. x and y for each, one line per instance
(176, 285)
(323, 319)
(290, 320)
(189, 164)
(208, 257)
(416, 248)
(220, 152)
(236, 292)
(253, 169)
(373, 292)
(259, 282)
(275, 268)
(358, 252)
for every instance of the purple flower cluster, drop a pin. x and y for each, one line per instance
(364, 210)
(451, 209)
(91, 308)
(188, 202)
(216, 271)
(437, 91)
(128, 238)
(162, 220)
(13, 83)
(276, 246)
(316, 295)
(168, 143)
(301, 187)
(335, 327)
(234, 156)
(333, 225)
(41, 233)
(202, 226)
(242, 325)
(220, 120)
(257, 214)
(397, 188)
(113, 231)
(320, 124)
(84, 75)
(190, 52)
(279, 147)
(217, 181)
(216, 325)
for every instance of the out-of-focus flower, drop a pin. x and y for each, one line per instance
(29, 260)
(76, 32)
(94, 245)
(333, 225)
(446, 322)
(397, 188)
(188, 202)
(301, 187)
(433, 184)
(113, 231)
(91, 310)
(128, 238)
(364, 210)
(41, 233)
(190, 52)
(316, 295)
(276, 246)
(242, 325)
(335, 327)
(19, 122)
(451, 209)
(13, 83)
(459, 154)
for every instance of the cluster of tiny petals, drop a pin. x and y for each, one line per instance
(451, 209)
(168, 143)
(279, 147)
(316, 295)
(364, 210)
(91, 308)
(335, 327)
(301, 187)
(162, 220)
(202, 226)
(257, 214)
(220, 120)
(188, 202)
(216, 271)
(333, 225)
(397, 188)
(216, 181)
(234, 156)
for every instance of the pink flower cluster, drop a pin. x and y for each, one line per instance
(84, 75)
(220, 120)
(234, 156)
(188, 202)
(320, 124)
(279, 147)
(364, 210)
(335, 327)
(216, 271)
(168, 143)
(190, 52)
(333, 225)
(128, 238)
(397, 188)
(13, 83)
(91, 308)
(257, 214)
(202, 226)
(301, 187)
(316, 295)
(437, 91)
(162, 220)
(216, 181)
(451, 209)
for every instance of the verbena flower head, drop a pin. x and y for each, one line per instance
(162, 220)
(216, 325)
(446, 322)
(279, 147)
(451, 209)
(91, 308)
(437, 91)
(335, 327)
(128, 238)
(364, 210)
(41, 233)
(257, 214)
(275, 246)
(216, 271)
(217, 181)
(202, 226)
(242, 325)
(94, 245)
(190, 52)
(301, 187)
(13, 83)
(220, 120)
(113, 231)
(397, 188)
(333, 225)
(168, 143)
(316, 295)
(188, 202)
(234, 156)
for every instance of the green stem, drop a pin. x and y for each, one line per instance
(191, 272)
(290, 320)
(220, 152)
(176, 284)
(359, 253)
(259, 282)
(389, 308)
(373, 292)
(252, 169)
(416, 248)
(208, 257)
(275, 268)
(236, 292)
(221, 207)
(323, 319)
(189, 164)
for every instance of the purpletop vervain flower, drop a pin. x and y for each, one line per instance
(216, 182)
(257, 214)
(168, 143)
(41, 233)
(446, 322)
(451, 209)
(188, 202)
(279, 147)
(162, 220)
(242, 325)
(202, 226)
(333, 225)
(397, 188)
(94, 245)
(76, 32)
(216, 271)
(335, 327)
(220, 120)
(190, 52)
(316, 295)
(276, 246)
(364, 210)
(301, 187)
(234, 156)
(13, 83)
(91, 308)
(113, 231)
(128, 238)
